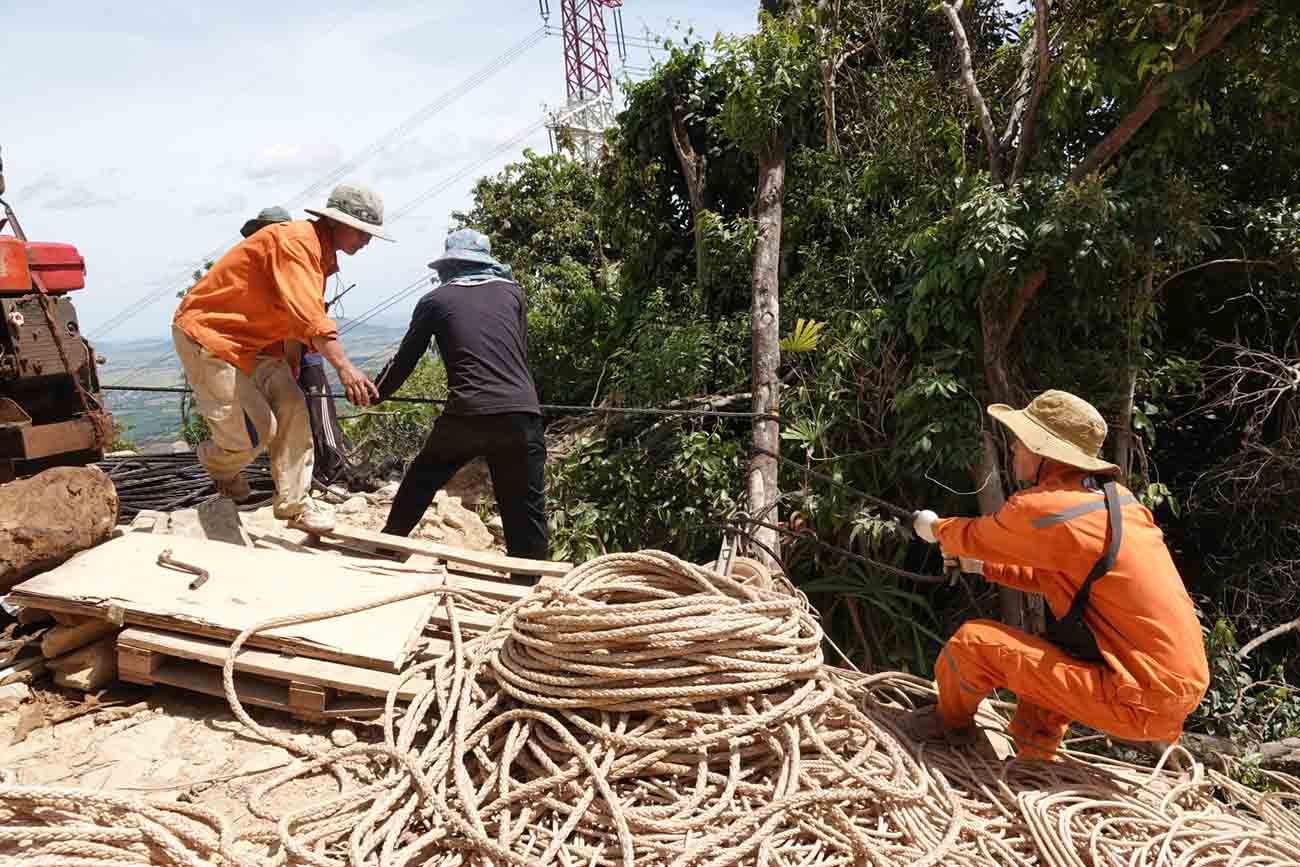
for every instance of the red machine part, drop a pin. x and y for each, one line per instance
(59, 267)
(586, 49)
(14, 273)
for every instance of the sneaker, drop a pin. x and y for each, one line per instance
(235, 488)
(316, 518)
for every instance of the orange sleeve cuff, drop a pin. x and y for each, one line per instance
(323, 327)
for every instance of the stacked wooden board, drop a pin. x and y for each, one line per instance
(341, 666)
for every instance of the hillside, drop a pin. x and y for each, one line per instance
(153, 419)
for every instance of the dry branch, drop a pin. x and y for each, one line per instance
(1268, 636)
(1036, 95)
(952, 10)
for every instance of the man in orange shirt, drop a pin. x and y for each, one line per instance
(229, 333)
(1125, 655)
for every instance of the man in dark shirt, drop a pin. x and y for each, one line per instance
(479, 318)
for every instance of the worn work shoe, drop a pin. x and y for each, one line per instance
(926, 725)
(316, 518)
(235, 488)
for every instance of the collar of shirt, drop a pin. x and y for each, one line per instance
(329, 257)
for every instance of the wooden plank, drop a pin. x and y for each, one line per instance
(247, 586)
(194, 677)
(83, 657)
(345, 678)
(89, 668)
(136, 660)
(62, 639)
(26, 669)
(449, 553)
(308, 697)
(256, 691)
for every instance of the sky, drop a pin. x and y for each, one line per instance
(146, 133)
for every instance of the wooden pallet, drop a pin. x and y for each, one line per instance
(307, 688)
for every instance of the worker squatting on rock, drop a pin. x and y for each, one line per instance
(479, 318)
(1130, 661)
(230, 331)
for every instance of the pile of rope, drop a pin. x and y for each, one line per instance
(647, 711)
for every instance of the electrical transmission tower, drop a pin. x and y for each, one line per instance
(589, 109)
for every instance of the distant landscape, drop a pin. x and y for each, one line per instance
(152, 420)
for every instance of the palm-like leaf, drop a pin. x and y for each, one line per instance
(804, 337)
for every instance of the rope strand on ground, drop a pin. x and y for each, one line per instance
(646, 711)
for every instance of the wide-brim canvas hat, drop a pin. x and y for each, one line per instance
(265, 217)
(1060, 427)
(467, 245)
(356, 206)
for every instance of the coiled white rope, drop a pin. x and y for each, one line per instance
(645, 711)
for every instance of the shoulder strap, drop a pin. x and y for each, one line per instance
(1114, 535)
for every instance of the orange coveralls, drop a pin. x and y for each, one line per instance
(1045, 540)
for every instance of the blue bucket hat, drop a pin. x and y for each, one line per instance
(467, 245)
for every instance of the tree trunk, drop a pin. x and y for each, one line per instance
(1135, 305)
(695, 170)
(764, 330)
(1020, 610)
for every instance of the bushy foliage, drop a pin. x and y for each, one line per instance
(396, 431)
(907, 243)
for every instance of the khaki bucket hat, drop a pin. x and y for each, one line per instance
(356, 206)
(1060, 427)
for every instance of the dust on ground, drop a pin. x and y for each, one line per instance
(168, 743)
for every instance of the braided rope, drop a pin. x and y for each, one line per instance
(648, 711)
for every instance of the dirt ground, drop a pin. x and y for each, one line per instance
(165, 742)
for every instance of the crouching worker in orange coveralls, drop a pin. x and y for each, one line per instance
(1125, 655)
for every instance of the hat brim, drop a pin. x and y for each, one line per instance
(465, 256)
(252, 226)
(1046, 444)
(348, 220)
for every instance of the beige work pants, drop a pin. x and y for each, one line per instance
(274, 404)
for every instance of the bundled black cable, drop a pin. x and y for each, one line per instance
(165, 483)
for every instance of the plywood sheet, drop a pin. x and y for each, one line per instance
(122, 578)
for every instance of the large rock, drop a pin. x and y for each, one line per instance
(52, 516)
(472, 484)
(467, 523)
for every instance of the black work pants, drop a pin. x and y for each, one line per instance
(515, 451)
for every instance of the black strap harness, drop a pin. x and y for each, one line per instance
(1071, 634)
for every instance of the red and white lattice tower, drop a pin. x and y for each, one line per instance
(589, 109)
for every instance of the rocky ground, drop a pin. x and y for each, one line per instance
(168, 743)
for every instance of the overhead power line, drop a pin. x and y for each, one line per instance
(422, 115)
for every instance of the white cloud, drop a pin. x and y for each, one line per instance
(289, 162)
(76, 197)
(407, 159)
(229, 204)
(46, 183)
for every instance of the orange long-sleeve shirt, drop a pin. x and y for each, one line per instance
(266, 290)
(1046, 540)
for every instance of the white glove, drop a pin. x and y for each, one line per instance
(923, 524)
